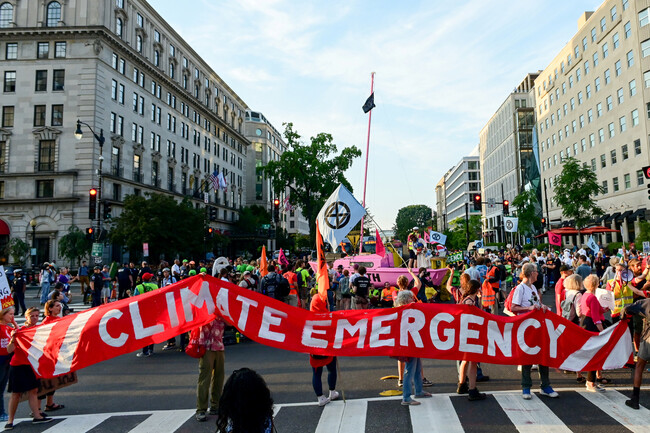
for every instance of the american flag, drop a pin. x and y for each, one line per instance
(214, 180)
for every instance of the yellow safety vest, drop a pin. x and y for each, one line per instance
(623, 295)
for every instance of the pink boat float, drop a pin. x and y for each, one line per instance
(382, 269)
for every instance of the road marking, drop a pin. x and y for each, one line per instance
(78, 424)
(343, 417)
(530, 415)
(436, 414)
(613, 404)
(164, 421)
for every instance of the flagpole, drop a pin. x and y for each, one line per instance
(365, 176)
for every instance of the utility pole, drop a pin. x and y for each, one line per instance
(467, 221)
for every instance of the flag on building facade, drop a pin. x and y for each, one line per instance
(214, 180)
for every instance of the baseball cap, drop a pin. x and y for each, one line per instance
(166, 270)
(204, 270)
(147, 276)
(247, 273)
(184, 260)
(192, 272)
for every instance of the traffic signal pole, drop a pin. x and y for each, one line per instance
(467, 221)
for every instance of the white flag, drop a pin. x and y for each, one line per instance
(339, 215)
(437, 238)
(510, 223)
(591, 243)
(478, 244)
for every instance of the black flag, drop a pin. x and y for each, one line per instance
(370, 103)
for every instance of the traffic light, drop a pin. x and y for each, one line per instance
(213, 213)
(89, 233)
(506, 207)
(544, 222)
(477, 202)
(276, 209)
(92, 207)
(210, 232)
(107, 210)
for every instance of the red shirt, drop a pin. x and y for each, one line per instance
(590, 307)
(5, 337)
(292, 277)
(559, 290)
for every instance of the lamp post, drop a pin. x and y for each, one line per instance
(32, 224)
(78, 133)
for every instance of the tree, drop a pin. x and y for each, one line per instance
(574, 191)
(417, 215)
(74, 245)
(311, 172)
(169, 227)
(19, 250)
(529, 212)
(251, 218)
(457, 234)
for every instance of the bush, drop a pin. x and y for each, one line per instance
(612, 248)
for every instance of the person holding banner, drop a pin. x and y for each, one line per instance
(211, 369)
(526, 298)
(317, 362)
(468, 369)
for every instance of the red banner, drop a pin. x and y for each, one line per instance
(439, 331)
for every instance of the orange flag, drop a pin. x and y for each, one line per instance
(322, 279)
(263, 263)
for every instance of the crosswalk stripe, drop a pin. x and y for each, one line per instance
(354, 416)
(78, 424)
(613, 403)
(164, 421)
(435, 414)
(529, 415)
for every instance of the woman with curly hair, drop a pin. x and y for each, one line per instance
(246, 405)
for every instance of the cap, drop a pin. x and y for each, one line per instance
(192, 262)
(147, 276)
(415, 228)
(97, 268)
(247, 272)
(18, 271)
(192, 272)
(613, 261)
(203, 270)
(166, 270)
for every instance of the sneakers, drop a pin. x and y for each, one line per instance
(43, 420)
(169, 347)
(526, 394)
(424, 394)
(474, 395)
(482, 378)
(143, 355)
(534, 367)
(213, 411)
(634, 404)
(10, 426)
(322, 400)
(595, 388)
(426, 382)
(399, 383)
(548, 392)
(410, 403)
(463, 388)
(201, 417)
(333, 395)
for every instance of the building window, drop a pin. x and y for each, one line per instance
(11, 51)
(604, 187)
(41, 81)
(625, 5)
(637, 147)
(645, 48)
(603, 24)
(601, 135)
(137, 175)
(635, 117)
(607, 77)
(630, 58)
(610, 104)
(59, 50)
(118, 27)
(615, 184)
(597, 84)
(138, 43)
(39, 115)
(615, 40)
(632, 87)
(46, 155)
(156, 58)
(57, 115)
(45, 188)
(617, 68)
(624, 152)
(593, 35)
(43, 50)
(643, 18)
(6, 15)
(622, 124)
(613, 156)
(628, 29)
(611, 130)
(172, 70)
(603, 161)
(53, 14)
(8, 116)
(612, 13)
(593, 164)
(139, 20)
(58, 81)
(639, 178)
(605, 50)
(590, 115)
(619, 96)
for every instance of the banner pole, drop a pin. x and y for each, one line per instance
(365, 176)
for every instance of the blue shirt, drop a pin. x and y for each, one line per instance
(83, 271)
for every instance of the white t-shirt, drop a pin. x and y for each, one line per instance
(473, 273)
(175, 270)
(526, 296)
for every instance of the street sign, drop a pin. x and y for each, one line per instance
(97, 260)
(205, 198)
(33, 252)
(98, 249)
(266, 226)
(491, 203)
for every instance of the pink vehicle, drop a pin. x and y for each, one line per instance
(380, 269)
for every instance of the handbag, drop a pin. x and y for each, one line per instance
(194, 349)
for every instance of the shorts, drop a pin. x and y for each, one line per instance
(412, 255)
(22, 379)
(644, 352)
(106, 292)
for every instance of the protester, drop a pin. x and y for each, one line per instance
(592, 320)
(641, 308)
(246, 405)
(52, 313)
(344, 289)
(317, 362)
(361, 289)
(560, 295)
(145, 287)
(18, 288)
(467, 370)
(525, 299)
(211, 369)
(7, 328)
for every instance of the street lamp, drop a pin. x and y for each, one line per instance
(78, 134)
(32, 224)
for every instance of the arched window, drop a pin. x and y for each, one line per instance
(6, 14)
(138, 43)
(53, 14)
(156, 58)
(172, 70)
(118, 27)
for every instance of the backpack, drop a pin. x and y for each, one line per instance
(507, 305)
(568, 307)
(277, 287)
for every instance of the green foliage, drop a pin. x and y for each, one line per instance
(251, 218)
(612, 248)
(643, 235)
(418, 215)
(311, 172)
(19, 250)
(74, 245)
(169, 227)
(303, 242)
(529, 212)
(457, 234)
(574, 191)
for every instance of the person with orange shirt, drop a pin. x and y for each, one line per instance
(292, 277)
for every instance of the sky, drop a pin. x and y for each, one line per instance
(441, 73)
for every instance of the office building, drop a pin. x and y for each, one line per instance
(456, 190)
